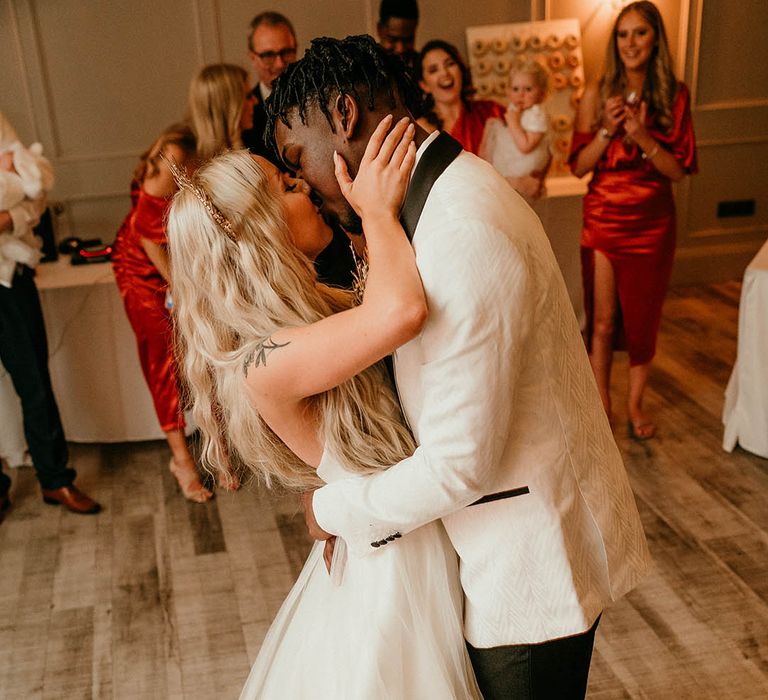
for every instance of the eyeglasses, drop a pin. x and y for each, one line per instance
(268, 57)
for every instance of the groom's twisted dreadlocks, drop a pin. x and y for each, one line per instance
(356, 66)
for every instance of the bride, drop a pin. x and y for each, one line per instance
(287, 374)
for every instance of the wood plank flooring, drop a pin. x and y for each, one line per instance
(159, 598)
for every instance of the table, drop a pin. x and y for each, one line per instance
(94, 365)
(745, 414)
(560, 212)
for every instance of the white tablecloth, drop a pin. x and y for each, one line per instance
(745, 414)
(561, 214)
(94, 364)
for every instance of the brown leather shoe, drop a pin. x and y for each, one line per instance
(72, 499)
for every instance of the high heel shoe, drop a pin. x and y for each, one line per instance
(189, 483)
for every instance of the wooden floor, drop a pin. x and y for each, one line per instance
(159, 598)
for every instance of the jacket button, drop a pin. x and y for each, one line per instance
(375, 544)
(382, 542)
(397, 534)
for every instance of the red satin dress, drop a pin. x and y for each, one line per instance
(143, 291)
(629, 216)
(469, 127)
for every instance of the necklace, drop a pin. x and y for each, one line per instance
(360, 275)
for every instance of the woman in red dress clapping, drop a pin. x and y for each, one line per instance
(634, 132)
(220, 106)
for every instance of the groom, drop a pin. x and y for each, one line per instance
(515, 453)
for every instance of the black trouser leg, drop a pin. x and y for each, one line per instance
(24, 353)
(554, 670)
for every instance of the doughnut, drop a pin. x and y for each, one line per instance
(562, 145)
(554, 41)
(559, 81)
(575, 99)
(556, 60)
(479, 47)
(500, 88)
(534, 42)
(516, 43)
(572, 61)
(483, 67)
(562, 122)
(576, 80)
(484, 88)
(499, 45)
(501, 66)
(571, 41)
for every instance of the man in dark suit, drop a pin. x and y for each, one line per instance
(396, 28)
(271, 48)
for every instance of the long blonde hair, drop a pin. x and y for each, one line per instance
(228, 297)
(216, 97)
(660, 84)
(180, 134)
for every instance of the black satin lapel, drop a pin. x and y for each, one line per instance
(438, 156)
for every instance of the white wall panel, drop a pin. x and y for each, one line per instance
(732, 56)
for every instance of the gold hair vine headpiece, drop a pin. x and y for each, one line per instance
(185, 183)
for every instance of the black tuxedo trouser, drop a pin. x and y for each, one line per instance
(24, 354)
(554, 670)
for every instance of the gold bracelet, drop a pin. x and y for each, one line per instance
(650, 156)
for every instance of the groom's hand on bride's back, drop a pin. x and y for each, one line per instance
(315, 531)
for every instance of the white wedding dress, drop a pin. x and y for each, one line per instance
(388, 626)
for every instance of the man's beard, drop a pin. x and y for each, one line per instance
(353, 223)
(347, 220)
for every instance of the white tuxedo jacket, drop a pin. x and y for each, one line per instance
(500, 397)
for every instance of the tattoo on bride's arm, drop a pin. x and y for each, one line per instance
(258, 356)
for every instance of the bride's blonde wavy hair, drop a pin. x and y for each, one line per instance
(231, 295)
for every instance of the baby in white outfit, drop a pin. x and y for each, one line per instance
(520, 146)
(24, 175)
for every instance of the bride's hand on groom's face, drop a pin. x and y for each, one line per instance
(382, 178)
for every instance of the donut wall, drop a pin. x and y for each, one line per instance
(494, 49)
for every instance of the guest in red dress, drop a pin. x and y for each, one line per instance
(220, 106)
(634, 133)
(446, 83)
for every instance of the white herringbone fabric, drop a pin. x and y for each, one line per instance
(500, 395)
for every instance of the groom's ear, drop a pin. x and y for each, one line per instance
(346, 114)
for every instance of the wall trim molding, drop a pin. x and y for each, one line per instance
(736, 141)
(90, 196)
(731, 104)
(694, 77)
(708, 233)
(45, 79)
(198, 22)
(737, 248)
(95, 157)
(25, 80)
